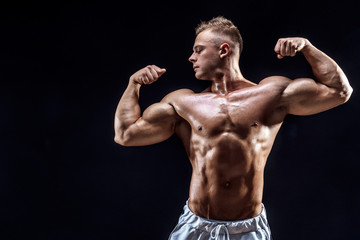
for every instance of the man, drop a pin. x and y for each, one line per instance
(228, 130)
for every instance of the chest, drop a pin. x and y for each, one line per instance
(240, 113)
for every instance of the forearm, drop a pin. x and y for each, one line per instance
(326, 70)
(128, 110)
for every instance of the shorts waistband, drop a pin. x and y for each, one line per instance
(233, 227)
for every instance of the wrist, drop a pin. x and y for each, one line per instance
(133, 87)
(133, 83)
(307, 46)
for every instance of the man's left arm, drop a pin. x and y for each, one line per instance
(305, 96)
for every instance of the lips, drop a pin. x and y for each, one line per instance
(195, 67)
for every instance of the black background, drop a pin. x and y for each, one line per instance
(63, 68)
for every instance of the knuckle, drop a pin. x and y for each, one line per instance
(143, 75)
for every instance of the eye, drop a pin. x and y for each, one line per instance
(198, 50)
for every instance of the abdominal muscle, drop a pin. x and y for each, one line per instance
(227, 178)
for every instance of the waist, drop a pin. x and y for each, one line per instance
(234, 227)
(223, 209)
(227, 198)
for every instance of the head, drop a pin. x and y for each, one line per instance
(218, 43)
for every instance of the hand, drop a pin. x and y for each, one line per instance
(289, 46)
(147, 75)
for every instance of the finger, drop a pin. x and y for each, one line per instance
(146, 80)
(277, 47)
(156, 68)
(149, 75)
(160, 71)
(141, 80)
(154, 73)
(163, 70)
(288, 46)
(293, 50)
(283, 49)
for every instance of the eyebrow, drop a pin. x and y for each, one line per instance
(196, 47)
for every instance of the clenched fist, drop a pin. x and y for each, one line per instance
(147, 75)
(289, 46)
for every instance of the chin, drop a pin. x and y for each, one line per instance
(201, 77)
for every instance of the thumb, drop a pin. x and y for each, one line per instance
(162, 71)
(279, 56)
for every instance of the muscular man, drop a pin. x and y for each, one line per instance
(228, 129)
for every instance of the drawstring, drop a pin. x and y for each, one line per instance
(214, 234)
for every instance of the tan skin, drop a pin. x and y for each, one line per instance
(229, 129)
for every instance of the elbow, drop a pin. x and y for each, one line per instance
(121, 133)
(118, 140)
(343, 94)
(344, 88)
(346, 93)
(121, 139)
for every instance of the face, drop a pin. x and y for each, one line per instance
(205, 58)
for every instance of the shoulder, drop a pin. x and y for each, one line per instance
(276, 84)
(275, 80)
(176, 95)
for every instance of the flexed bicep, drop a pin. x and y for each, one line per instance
(330, 87)
(155, 125)
(305, 96)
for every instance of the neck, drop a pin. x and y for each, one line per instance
(229, 79)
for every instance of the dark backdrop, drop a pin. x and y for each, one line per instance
(63, 68)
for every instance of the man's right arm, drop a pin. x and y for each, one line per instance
(306, 96)
(157, 122)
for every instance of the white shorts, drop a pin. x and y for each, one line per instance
(193, 227)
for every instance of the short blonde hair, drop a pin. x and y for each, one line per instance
(222, 26)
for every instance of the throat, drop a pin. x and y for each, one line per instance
(224, 87)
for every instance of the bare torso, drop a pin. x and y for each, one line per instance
(228, 139)
(228, 133)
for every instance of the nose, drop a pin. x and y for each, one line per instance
(192, 58)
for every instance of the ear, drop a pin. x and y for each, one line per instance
(224, 50)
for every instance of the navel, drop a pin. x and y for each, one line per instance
(255, 124)
(227, 184)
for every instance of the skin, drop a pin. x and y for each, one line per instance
(228, 130)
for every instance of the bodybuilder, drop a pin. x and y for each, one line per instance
(228, 129)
